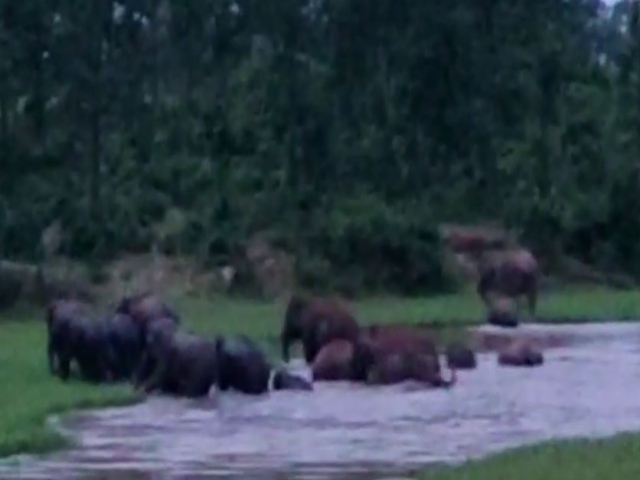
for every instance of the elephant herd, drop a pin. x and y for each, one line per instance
(142, 341)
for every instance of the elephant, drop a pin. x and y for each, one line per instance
(74, 337)
(285, 380)
(177, 362)
(390, 354)
(398, 367)
(521, 352)
(334, 361)
(511, 273)
(124, 339)
(145, 308)
(460, 356)
(242, 366)
(315, 322)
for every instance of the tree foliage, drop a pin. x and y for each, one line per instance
(348, 129)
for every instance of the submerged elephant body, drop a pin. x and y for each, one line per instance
(511, 273)
(399, 367)
(520, 353)
(242, 366)
(460, 356)
(316, 322)
(285, 380)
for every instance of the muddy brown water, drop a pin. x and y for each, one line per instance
(344, 432)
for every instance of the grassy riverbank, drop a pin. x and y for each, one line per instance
(615, 457)
(29, 393)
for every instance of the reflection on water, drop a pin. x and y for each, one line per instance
(342, 431)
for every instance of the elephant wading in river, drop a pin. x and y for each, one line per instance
(316, 322)
(511, 273)
(242, 366)
(176, 362)
(123, 335)
(72, 336)
(390, 354)
(521, 352)
(342, 360)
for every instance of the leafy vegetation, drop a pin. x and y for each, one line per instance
(346, 131)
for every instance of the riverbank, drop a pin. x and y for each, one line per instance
(602, 459)
(30, 394)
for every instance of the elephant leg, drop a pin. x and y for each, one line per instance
(51, 356)
(532, 296)
(310, 345)
(64, 367)
(144, 370)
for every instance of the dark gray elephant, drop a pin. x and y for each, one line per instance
(126, 344)
(521, 352)
(242, 366)
(146, 308)
(460, 356)
(176, 362)
(73, 337)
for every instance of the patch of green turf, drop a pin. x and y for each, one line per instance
(29, 393)
(616, 458)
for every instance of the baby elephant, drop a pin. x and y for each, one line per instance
(460, 356)
(520, 353)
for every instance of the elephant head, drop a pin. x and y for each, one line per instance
(460, 356)
(521, 352)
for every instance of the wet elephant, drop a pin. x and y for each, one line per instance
(460, 356)
(396, 367)
(342, 360)
(73, 337)
(181, 363)
(124, 339)
(242, 366)
(283, 379)
(315, 322)
(511, 273)
(391, 354)
(520, 352)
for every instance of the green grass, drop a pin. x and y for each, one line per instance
(616, 457)
(29, 393)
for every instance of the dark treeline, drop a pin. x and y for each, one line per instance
(347, 129)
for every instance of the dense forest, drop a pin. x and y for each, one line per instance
(347, 130)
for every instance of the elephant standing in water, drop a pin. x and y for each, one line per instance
(511, 273)
(176, 362)
(339, 360)
(72, 336)
(521, 352)
(242, 366)
(316, 322)
(397, 367)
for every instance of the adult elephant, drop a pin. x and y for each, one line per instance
(396, 367)
(460, 356)
(176, 362)
(315, 322)
(511, 273)
(124, 336)
(520, 352)
(242, 366)
(391, 354)
(73, 337)
(343, 360)
(146, 308)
